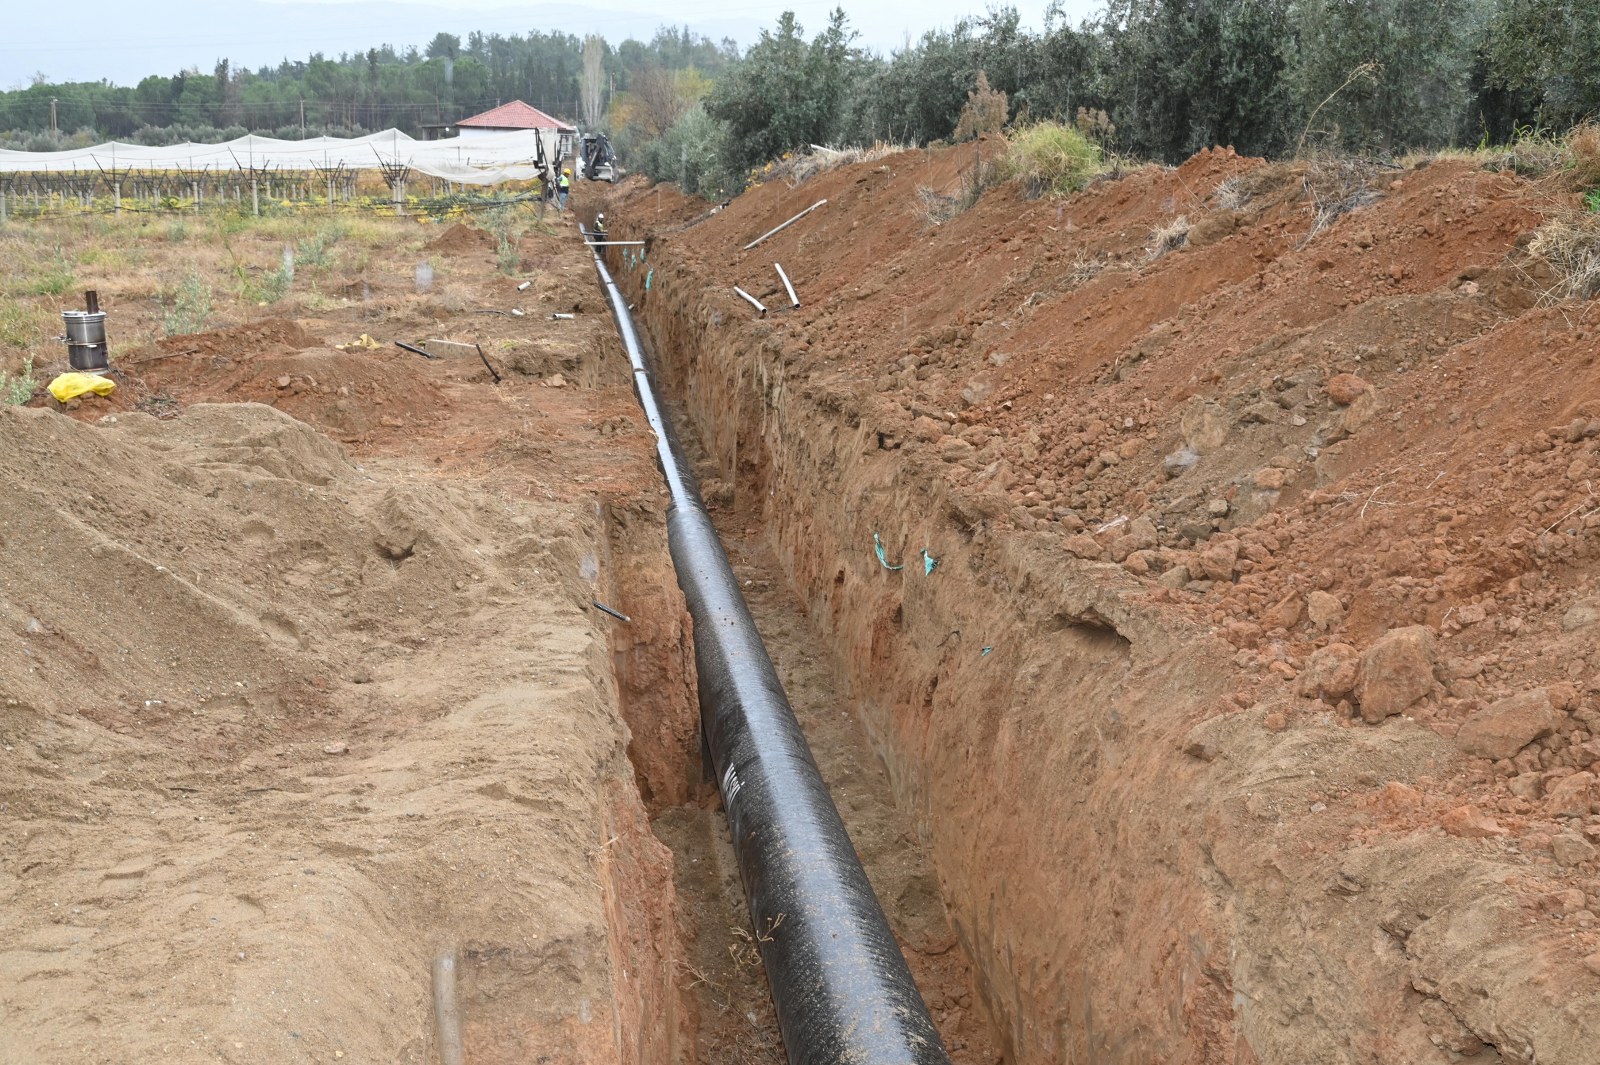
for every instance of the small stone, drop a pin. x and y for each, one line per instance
(1395, 673)
(1276, 721)
(1527, 786)
(1567, 901)
(955, 449)
(1269, 479)
(335, 748)
(555, 380)
(1324, 610)
(1572, 849)
(1083, 545)
(1218, 561)
(1176, 577)
(1571, 796)
(1204, 426)
(285, 381)
(1343, 388)
(1592, 963)
(1330, 673)
(1469, 822)
(1505, 727)
(978, 389)
(1218, 508)
(1285, 614)
(1581, 615)
(1180, 461)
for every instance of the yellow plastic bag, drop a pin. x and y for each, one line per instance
(72, 385)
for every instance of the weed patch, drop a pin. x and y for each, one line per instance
(55, 280)
(190, 309)
(22, 326)
(313, 250)
(1048, 157)
(17, 389)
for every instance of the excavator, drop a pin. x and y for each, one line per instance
(596, 159)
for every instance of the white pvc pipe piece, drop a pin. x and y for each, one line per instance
(789, 288)
(753, 301)
(605, 243)
(446, 1014)
(786, 225)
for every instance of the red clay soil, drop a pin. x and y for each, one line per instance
(1252, 712)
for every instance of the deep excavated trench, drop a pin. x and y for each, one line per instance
(841, 989)
(950, 666)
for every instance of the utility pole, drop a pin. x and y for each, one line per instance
(53, 131)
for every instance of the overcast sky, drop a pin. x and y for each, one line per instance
(123, 42)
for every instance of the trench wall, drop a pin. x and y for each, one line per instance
(1030, 715)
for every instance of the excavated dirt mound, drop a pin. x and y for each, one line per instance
(1247, 684)
(277, 732)
(348, 393)
(461, 239)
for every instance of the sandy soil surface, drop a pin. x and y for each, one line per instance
(1249, 711)
(302, 688)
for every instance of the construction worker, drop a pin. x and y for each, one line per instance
(600, 227)
(563, 189)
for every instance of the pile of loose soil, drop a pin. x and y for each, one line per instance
(351, 394)
(461, 239)
(278, 731)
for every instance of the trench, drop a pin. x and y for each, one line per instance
(726, 1009)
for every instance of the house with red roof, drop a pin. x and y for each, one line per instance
(512, 117)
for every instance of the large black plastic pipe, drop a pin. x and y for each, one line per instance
(842, 991)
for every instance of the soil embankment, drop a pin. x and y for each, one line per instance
(1222, 614)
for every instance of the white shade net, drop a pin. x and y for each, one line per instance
(486, 159)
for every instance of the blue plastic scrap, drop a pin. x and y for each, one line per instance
(647, 278)
(877, 545)
(986, 651)
(929, 563)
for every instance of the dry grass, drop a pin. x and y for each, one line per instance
(1570, 246)
(1336, 186)
(1168, 238)
(1583, 145)
(803, 166)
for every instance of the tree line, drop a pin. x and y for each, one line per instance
(1155, 79)
(1161, 79)
(354, 93)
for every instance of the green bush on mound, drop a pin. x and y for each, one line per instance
(1048, 157)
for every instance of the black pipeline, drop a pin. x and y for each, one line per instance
(841, 987)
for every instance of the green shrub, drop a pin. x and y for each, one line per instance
(191, 307)
(17, 389)
(313, 250)
(1048, 157)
